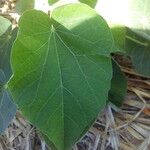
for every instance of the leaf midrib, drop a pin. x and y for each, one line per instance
(61, 80)
(82, 72)
(61, 84)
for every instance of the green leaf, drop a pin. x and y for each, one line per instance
(62, 70)
(52, 1)
(48, 142)
(6, 42)
(91, 3)
(133, 14)
(138, 48)
(111, 11)
(141, 59)
(7, 110)
(118, 86)
(23, 5)
(139, 17)
(7, 107)
(119, 34)
(4, 25)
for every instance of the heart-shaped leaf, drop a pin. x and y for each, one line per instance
(62, 70)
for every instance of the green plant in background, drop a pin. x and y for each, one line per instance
(63, 71)
(131, 29)
(4, 25)
(7, 107)
(117, 91)
(52, 1)
(23, 5)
